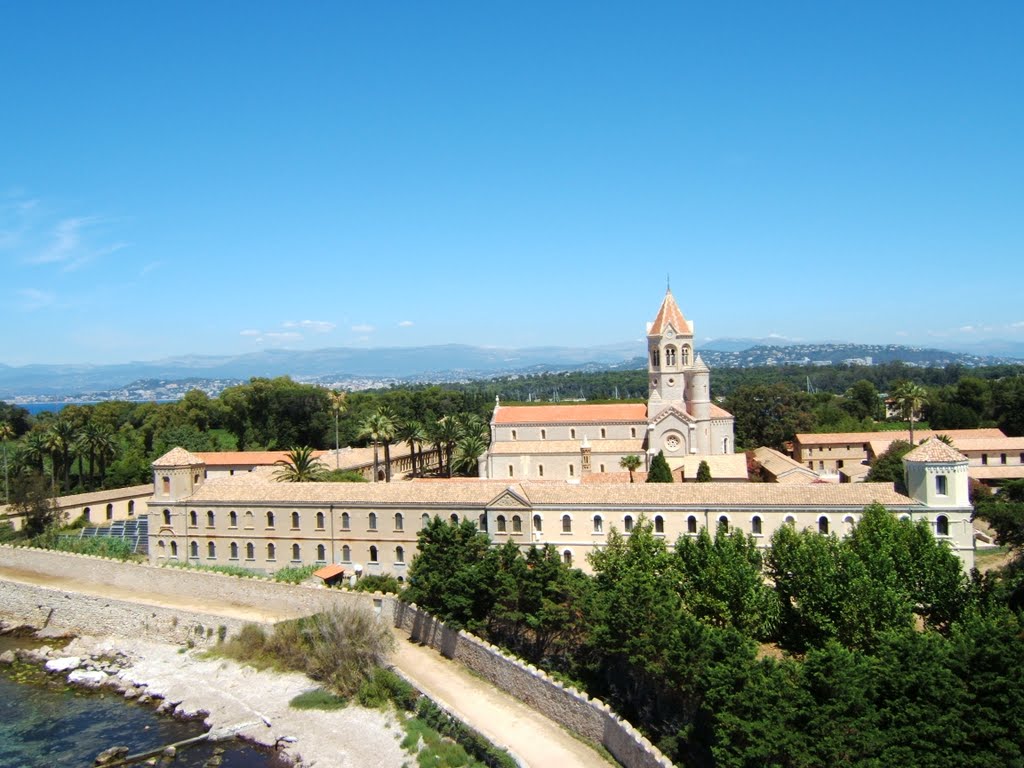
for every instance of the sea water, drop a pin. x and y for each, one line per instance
(44, 723)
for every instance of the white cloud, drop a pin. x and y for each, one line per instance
(316, 326)
(363, 328)
(66, 237)
(283, 336)
(406, 324)
(150, 267)
(250, 332)
(33, 299)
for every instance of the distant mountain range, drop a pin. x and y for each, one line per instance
(362, 368)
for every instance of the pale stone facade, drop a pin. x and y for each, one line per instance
(567, 442)
(255, 522)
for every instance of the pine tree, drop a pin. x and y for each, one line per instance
(659, 471)
(703, 472)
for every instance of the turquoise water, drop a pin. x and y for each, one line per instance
(44, 724)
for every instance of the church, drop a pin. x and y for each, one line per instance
(572, 442)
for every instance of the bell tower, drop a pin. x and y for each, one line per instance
(670, 357)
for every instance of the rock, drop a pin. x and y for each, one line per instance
(64, 664)
(90, 678)
(170, 752)
(131, 693)
(7, 657)
(110, 755)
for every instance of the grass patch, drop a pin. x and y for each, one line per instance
(230, 570)
(117, 549)
(318, 698)
(295, 575)
(432, 750)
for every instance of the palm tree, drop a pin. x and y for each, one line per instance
(468, 451)
(299, 466)
(380, 428)
(106, 448)
(6, 433)
(411, 433)
(447, 435)
(33, 448)
(631, 463)
(60, 439)
(910, 397)
(338, 404)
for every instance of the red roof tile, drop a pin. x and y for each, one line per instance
(570, 414)
(669, 314)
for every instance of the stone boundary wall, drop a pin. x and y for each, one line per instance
(574, 710)
(590, 718)
(56, 611)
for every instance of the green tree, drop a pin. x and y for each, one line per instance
(703, 472)
(468, 451)
(862, 401)
(337, 401)
(769, 414)
(299, 466)
(411, 432)
(659, 471)
(453, 573)
(630, 463)
(888, 468)
(379, 428)
(6, 433)
(31, 498)
(910, 397)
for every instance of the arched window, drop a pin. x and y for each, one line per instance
(234, 550)
(346, 554)
(373, 554)
(790, 520)
(540, 470)
(848, 523)
(670, 356)
(481, 522)
(942, 526)
(572, 471)
(684, 355)
(691, 524)
(514, 435)
(110, 511)
(627, 523)
(271, 552)
(455, 519)
(86, 513)
(270, 519)
(250, 551)
(604, 433)
(567, 557)
(233, 519)
(598, 524)
(131, 507)
(194, 549)
(165, 484)
(372, 521)
(723, 523)
(296, 552)
(500, 522)
(320, 521)
(543, 434)
(655, 358)
(566, 524)
(249, 519)
(399, 521)
(822, 524)
(755, 525)
(659, 524)
(346, 521)
(538, 523)
(424, 520)
(167, 516)
(511, 471)
(174, 549)
(572, 434)
(517, 524)
(193, 518)
(295, 520)
(321, 553)
(162, 546)
(209, 518)
(399, 555)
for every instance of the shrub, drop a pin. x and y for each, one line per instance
(379, 583)
(318, 698)
(295, 575)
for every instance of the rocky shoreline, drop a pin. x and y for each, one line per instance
(231, 699)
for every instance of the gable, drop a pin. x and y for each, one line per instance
(509, 499)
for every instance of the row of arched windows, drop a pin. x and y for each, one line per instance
(271, 551)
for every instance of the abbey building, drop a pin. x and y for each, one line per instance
(571, 441)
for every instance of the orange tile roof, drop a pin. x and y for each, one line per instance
(934, 449)
(570, 414)
(835, 438)
(669, 314)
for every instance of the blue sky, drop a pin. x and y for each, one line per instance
(224, 177)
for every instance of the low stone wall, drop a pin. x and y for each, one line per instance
(590, 718)
(59, 612)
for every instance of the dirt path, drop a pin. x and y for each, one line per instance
(535, 739)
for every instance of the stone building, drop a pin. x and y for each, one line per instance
(253, 521)
(567, 442)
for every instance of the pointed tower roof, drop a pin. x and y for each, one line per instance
(669, 314)
(178, 457)
(934, 450)
(700, 365)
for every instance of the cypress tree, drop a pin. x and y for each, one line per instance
(659, 471)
